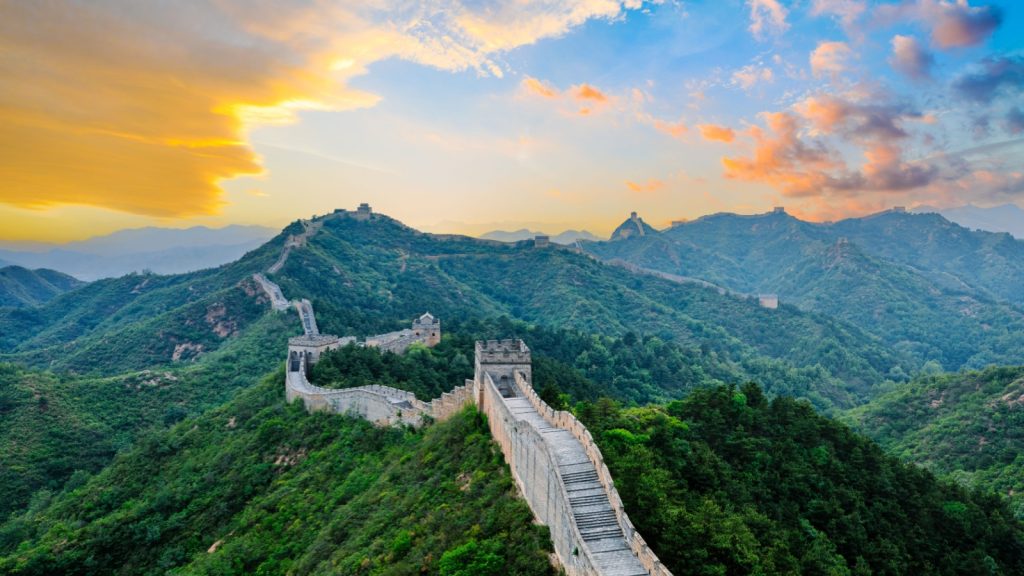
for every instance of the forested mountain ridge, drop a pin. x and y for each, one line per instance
(955, 305)
(968, 425)
(21, 287)
(367, 277)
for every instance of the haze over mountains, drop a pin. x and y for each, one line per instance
(160, 250)
(566, 237)
(1005, 218)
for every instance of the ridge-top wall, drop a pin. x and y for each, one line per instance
(537, 476)
(567, 421)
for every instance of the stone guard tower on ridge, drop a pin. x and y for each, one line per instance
(427, 327)
(502, 359)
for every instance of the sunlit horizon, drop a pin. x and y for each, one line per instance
(481, 116)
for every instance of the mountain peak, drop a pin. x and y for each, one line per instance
(633, 226)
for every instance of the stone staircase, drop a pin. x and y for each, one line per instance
(591, 509)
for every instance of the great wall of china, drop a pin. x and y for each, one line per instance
(557, 466)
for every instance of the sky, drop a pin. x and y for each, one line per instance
(468, 116)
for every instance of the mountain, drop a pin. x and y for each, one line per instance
(365, 277)
(160, 250)
(968, 425)
(565, 238)
(925, 286)
(1005, 218)
(20, 287)
(634, 227)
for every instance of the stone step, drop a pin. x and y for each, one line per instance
(589, 536)
(588, 500)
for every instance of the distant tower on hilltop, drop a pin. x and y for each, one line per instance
(779, 210)
(899, 209)
(633, 216)
(541, 241)
(428, 328)
(363, 212)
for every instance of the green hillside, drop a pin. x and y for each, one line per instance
(258, 487)
(969, 426)
(54, 425)
(21, 287)
(727, 482)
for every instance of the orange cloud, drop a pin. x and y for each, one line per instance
(651, 185)
(539, 88)
(830, 58)
(783, 160)
(673, 129)
(585, 92)
(147, 110)
(717, 133)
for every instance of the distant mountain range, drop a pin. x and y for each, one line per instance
(1006, 218)
(160, 250)
(565, 238)
(925, 286)
(21, 287)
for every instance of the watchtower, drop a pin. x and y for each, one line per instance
(502, 359)
(363, 212)
(428, 328)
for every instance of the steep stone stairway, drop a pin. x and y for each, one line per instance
(591, 509)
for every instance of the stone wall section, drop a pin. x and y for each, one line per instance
(567, 421)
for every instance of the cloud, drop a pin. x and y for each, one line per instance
(911, 58)
(750, 75)
(952, 24)
(652, 185)
(767, 16)
(830, 58)
(858, 121)
(961, 25)
(783, 160)
(808, 164)
(717, 133)
(674, 129)
(145, 107)
(996, 76)
(535, 86)
(848, 11)
(586, 92)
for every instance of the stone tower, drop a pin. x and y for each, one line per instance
(428, 328)
(502, 359)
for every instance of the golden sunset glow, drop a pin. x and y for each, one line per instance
(173, 115)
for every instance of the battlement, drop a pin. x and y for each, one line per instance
(511, 351)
